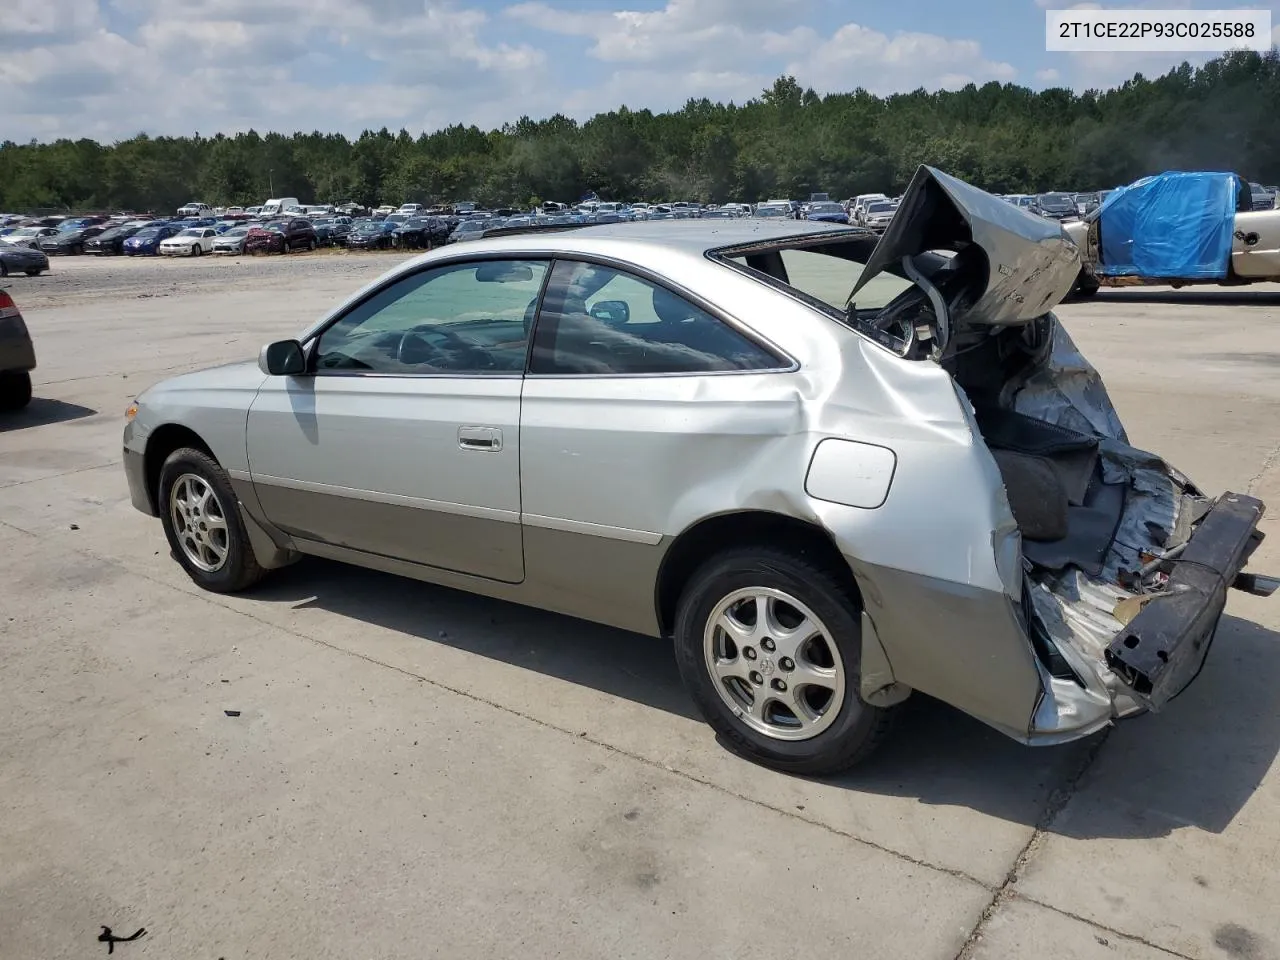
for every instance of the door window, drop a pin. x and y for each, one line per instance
(471, 318)
(598, 320)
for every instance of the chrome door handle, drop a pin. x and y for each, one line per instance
(487, 439)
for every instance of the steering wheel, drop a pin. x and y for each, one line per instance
(424, 346)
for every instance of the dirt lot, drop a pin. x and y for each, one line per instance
(415, 772)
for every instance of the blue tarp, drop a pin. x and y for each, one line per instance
(1170, 225)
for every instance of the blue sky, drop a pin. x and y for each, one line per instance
(112, 68)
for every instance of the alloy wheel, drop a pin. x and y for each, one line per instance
(774, 663)
(199, 522)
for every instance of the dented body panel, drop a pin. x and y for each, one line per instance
(613, 471)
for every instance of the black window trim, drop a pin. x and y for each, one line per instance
(312, 342)
(786, 362)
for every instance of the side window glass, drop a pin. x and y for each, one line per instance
(472, 318)
(598, 320)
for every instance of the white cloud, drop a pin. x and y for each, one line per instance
(228, 65)
(858, 56)
(1048, 75)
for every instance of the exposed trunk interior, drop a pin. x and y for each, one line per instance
(1094, 512)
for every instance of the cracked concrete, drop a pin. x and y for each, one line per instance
(416, 772)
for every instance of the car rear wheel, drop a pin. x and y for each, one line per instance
(1086, 286)
(15, 389)
(202, 523)
(769, 646)
(34, 272)
(4, 270)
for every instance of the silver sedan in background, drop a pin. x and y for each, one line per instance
(834, 468)
(232, 241)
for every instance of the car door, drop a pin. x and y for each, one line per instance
(403, 438)
(631, 406)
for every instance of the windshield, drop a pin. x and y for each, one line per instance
(368, 226)
(191, 233)
(880, 208)
(147, 232)
(826, 208)
(237, 232)
(1056, 201)
(275, 226)
(770, 212)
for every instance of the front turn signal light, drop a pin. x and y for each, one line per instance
(131, 412)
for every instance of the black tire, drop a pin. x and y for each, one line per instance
(858, 728)
(34, 273)
(1086, 287)
(240, 569)
(15, 390)
(311, 246)
(4, 271)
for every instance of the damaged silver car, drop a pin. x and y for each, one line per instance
(834, 468)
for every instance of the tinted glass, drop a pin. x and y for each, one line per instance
(467, 319)
(597, 320)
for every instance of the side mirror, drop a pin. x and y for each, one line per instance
(284, 358)
(613, 312)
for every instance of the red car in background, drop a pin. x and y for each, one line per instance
(281, 236)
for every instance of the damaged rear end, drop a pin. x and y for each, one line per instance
(1126, 564)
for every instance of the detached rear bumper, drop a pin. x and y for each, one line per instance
(1163, 647)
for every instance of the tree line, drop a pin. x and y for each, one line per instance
(788, 142)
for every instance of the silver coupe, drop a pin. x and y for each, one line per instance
(834, 468)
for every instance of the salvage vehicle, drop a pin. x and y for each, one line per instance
(1055, 206)
(26, 236)
(833, 468)
(281, 236)
(1177, 229)
(827, 212)
(146, 242)
(111, 240)
(70, 238)
(232, 241)
(19, 259)
(419, 233)
(370, 235)
(192, 242)
(17, 356)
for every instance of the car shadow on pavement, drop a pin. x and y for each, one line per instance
(628, 665)
(1197, 762)
(1194, 764)
(1219, 296)
(40, 412)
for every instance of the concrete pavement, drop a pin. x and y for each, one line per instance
(417, 772)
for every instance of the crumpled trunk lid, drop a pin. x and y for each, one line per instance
(1030, 263)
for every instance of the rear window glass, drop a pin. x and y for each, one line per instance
(830, 279)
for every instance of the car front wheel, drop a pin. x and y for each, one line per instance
(769, 646)
(15, 389)
(202, 523)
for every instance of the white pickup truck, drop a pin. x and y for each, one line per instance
(1200, 247)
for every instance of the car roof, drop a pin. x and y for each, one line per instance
(695, 237)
